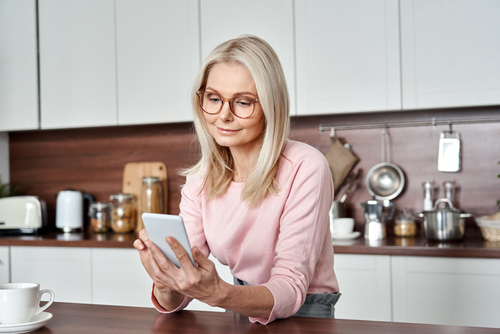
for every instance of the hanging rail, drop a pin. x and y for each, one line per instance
(432, 122)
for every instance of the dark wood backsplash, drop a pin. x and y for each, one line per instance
(92, 159)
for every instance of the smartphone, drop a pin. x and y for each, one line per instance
(160, 226)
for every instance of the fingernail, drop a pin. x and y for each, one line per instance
(148, 245)
(169, 240)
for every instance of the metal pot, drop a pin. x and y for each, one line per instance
(444, 224)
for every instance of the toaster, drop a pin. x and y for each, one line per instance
(22, 215)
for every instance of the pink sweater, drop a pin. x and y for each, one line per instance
(283, 244)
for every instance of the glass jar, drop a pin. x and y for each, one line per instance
(100, 216)
(123, 213)
(404, 225)
(152, 195)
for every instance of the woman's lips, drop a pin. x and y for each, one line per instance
(227, 131)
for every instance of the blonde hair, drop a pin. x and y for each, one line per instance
(216, 161)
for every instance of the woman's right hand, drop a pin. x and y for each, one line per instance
(161, 291)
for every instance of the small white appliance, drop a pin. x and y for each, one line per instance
(22, 215)
(70, 213)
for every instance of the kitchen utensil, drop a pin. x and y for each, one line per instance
(450, 190)
(385, 181)
(404, 225)
(70, 213)
(444, 224)
(132, 183)
(375, 218)
(22, 215)
(341, 161)
(350, 185)
(429, 190)
(449, 152)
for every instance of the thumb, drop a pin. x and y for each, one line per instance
(199, 257)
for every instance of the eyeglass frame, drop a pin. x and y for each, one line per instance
(200, 93)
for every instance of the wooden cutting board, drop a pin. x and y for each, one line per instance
(132, 183)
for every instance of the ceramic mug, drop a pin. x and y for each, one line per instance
(19, 302)
(343, 226)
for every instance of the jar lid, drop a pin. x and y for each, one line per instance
(100, 205)
(121, 197)
(151, 179)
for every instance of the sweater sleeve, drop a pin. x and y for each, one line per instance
(303, 227)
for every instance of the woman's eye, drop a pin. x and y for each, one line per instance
(244, 102)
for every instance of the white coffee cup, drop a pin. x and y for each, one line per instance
(19, 302)
(342, 226)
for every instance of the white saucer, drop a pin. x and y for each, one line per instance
(37, 322)
(348, 236)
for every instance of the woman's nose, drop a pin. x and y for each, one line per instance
(226, 113)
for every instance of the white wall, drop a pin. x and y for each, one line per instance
(4, 157)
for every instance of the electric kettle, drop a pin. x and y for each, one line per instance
(70, 213)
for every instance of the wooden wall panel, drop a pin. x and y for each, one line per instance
(92, 159)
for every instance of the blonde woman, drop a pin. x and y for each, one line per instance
(255, 200)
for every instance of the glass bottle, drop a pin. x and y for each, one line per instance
(152, 195)
(100, 216)
(123, 213)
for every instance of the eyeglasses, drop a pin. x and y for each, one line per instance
(241, 106)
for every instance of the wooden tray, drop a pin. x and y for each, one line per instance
(132, 183)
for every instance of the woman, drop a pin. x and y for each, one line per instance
(256, 200)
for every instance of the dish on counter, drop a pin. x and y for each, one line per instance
(348, 236)
(37, 322)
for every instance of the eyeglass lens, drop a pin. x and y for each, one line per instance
(241, 106)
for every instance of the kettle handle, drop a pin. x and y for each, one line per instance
(90, 199)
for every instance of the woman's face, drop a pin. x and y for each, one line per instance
(229, 80)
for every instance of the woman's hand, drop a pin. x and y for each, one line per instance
(201, 282)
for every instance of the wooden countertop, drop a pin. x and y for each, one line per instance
(97, 319)
(472, 246)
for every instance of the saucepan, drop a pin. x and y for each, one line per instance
(385, 181)
(447, 223)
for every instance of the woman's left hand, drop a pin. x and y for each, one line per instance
(201, 282)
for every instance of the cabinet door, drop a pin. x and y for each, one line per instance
(271, 20)
(365, 284)
(18, 66)
(118, 278)
(450, 52)
(446, 291)
(4, 265)
(77, 63)
(64, 270)
(347, 56)
(158, 56)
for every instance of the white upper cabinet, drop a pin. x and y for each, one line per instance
(77, 63)
(158, 56)
(18, 66)
(450, 52)
(271, 20)
(347, 56)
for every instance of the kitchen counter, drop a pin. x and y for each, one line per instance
(85, 318)
(472, 246)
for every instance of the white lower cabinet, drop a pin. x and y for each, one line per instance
(365, 284)
(119, 278)
(447, 291)
(65, 270)
(4, 265)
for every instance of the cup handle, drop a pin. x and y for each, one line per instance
(51, 300)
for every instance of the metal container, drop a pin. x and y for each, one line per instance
(444, 224)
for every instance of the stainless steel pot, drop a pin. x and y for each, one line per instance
(444, 224)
